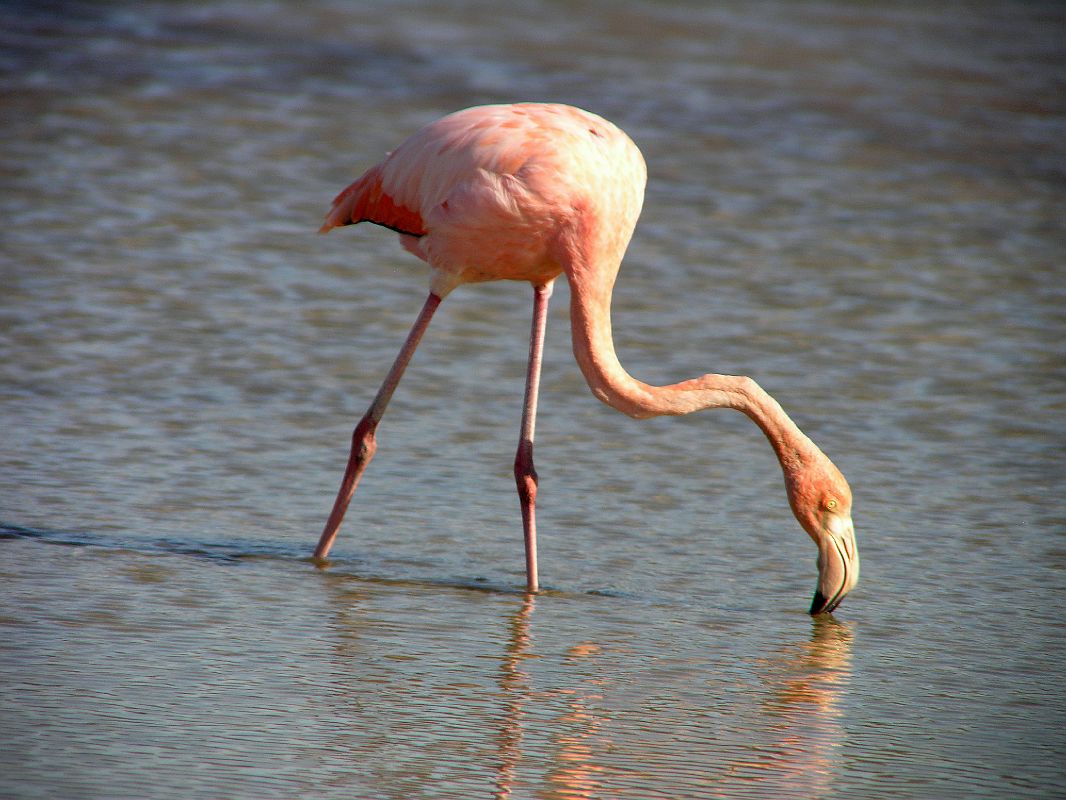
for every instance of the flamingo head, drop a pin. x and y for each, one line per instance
(821, 500)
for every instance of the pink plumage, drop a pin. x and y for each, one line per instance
(485, 193)
(528, 192)
(366, 200)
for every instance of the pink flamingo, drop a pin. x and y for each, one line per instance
(527, 192)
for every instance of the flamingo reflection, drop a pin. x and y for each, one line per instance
(515, 686)
(573, 774)
(806, 682)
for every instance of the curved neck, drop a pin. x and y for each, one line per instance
(590, 322)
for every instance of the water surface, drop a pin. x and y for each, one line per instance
(859, 206)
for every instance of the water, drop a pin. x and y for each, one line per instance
(861, 206)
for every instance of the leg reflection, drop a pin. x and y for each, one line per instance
(514, 684)
(570, 735)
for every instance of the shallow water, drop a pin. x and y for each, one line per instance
(860, 207)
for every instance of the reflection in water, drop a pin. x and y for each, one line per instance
(573, 773)
(806, 681)
(552, 723)
(514, 683)
(868, 204)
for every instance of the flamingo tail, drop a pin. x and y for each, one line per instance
(366, 200)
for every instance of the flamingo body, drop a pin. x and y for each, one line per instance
(488, 193)
(528, 192)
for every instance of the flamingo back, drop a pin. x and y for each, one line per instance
(483, 194)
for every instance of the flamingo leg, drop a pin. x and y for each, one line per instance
(364, 441)
(524, 473)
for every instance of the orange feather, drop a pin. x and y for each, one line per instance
(365, 200)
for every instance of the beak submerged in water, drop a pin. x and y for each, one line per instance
(838, 564)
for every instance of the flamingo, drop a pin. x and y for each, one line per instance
(527, 192)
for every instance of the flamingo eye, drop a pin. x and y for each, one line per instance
(830, 504)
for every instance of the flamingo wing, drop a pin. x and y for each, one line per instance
(481, 194)
(446, 161)
(367, 200)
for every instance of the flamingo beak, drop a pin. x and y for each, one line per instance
(838, 564)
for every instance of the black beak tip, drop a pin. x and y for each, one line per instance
(820, 604)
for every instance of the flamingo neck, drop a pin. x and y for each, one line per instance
(590, 321)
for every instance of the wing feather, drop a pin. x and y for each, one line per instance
(367, 200)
